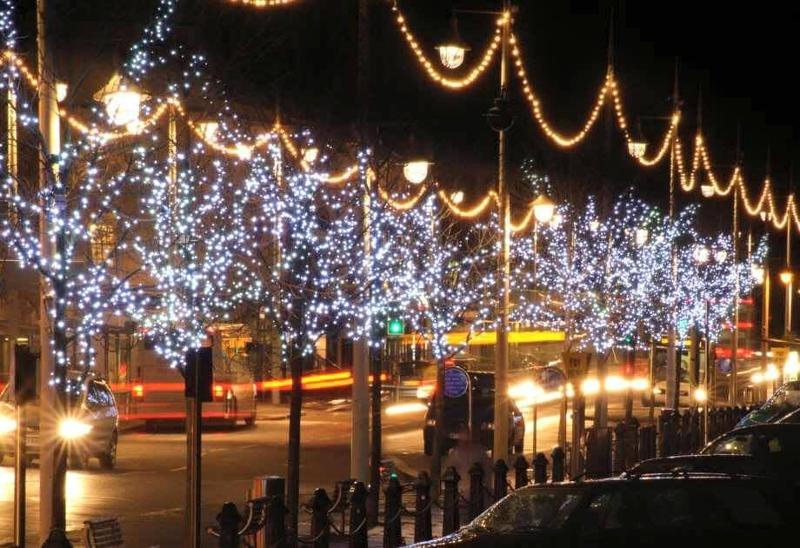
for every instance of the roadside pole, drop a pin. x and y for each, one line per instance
(52, 459)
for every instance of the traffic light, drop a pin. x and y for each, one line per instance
(24, 375)
(200, 357)
(395, 327)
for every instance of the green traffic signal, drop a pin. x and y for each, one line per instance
(395, 327)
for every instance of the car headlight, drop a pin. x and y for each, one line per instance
(70, 429)
(7, 424)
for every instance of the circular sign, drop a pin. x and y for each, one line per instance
(456, 382)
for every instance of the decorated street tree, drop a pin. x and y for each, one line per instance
(453, 266)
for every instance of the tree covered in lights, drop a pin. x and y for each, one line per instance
(80, 195)
(453, 268)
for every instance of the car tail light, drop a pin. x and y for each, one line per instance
(138, 391)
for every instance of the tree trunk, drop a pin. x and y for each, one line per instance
(293, 461)
(376, 449)
(438, 434)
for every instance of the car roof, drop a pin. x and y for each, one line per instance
(660, 477)
(771, 427)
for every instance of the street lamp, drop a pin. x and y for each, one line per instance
(310, 155)
(642, 234)
(416, 171)
(452, 52)
(122, 101)
(637, 148)
(543, 209)
(209, 131)
(786, 277)
(701, 254)
(61, 91)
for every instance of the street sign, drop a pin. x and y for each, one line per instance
(456, 382)
(576, 364)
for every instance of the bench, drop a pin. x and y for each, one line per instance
(102, 533)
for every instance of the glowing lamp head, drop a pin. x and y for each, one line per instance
(452, 54)
(707, 191)
(720, 255)
(543, 209)
(701, 254)
(72, 429)
(642, 234)
(457, 197)
(310, 155)
(758, 273)
(637, 149)
(786, 277)
(122, 101)
(208, 130)
(61, 91)
(416, 171)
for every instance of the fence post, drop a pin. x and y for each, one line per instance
(358, 515)
(539, 468)
(392, 527)
(713, 418)
(686, 434)
(475, 490)
(598, 453)
(450, 517)
(619, 448)
(558, 456)
(665, 438)
(500, 479)
(647, 442)
(422, 516)
(320, 524)
(520, 472)
(229, 520)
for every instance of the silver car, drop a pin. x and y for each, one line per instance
(89, 429)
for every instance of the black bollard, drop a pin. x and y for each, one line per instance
(500, 479)
(475, 490)
(57, 539)
(320, 524)
(423, 529)
(450, 517)
(540, 468)
(229, 521)
(520, 472)
(559, 457)
(275, 527)
(392, 527)
(358, 515)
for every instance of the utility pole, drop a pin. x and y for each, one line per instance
(52, 458)
(733, 384)
(501, 405)
(359, 445)
(671, 397)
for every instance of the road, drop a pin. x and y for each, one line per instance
(147, 489)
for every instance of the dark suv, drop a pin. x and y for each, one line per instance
(90, 429)
(456, 412)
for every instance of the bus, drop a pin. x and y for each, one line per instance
(155, 392)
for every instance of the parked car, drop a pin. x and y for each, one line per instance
(652, 511)
(456, 412)
(785, 400)
(680, 464)
(91, 428)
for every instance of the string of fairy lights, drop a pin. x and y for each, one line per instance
(204, 289)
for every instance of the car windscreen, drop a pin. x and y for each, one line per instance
(779, 446)
(785, 400)
(529, 509)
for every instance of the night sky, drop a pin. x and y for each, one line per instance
(302, 57)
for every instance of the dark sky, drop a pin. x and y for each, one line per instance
(303, 57)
